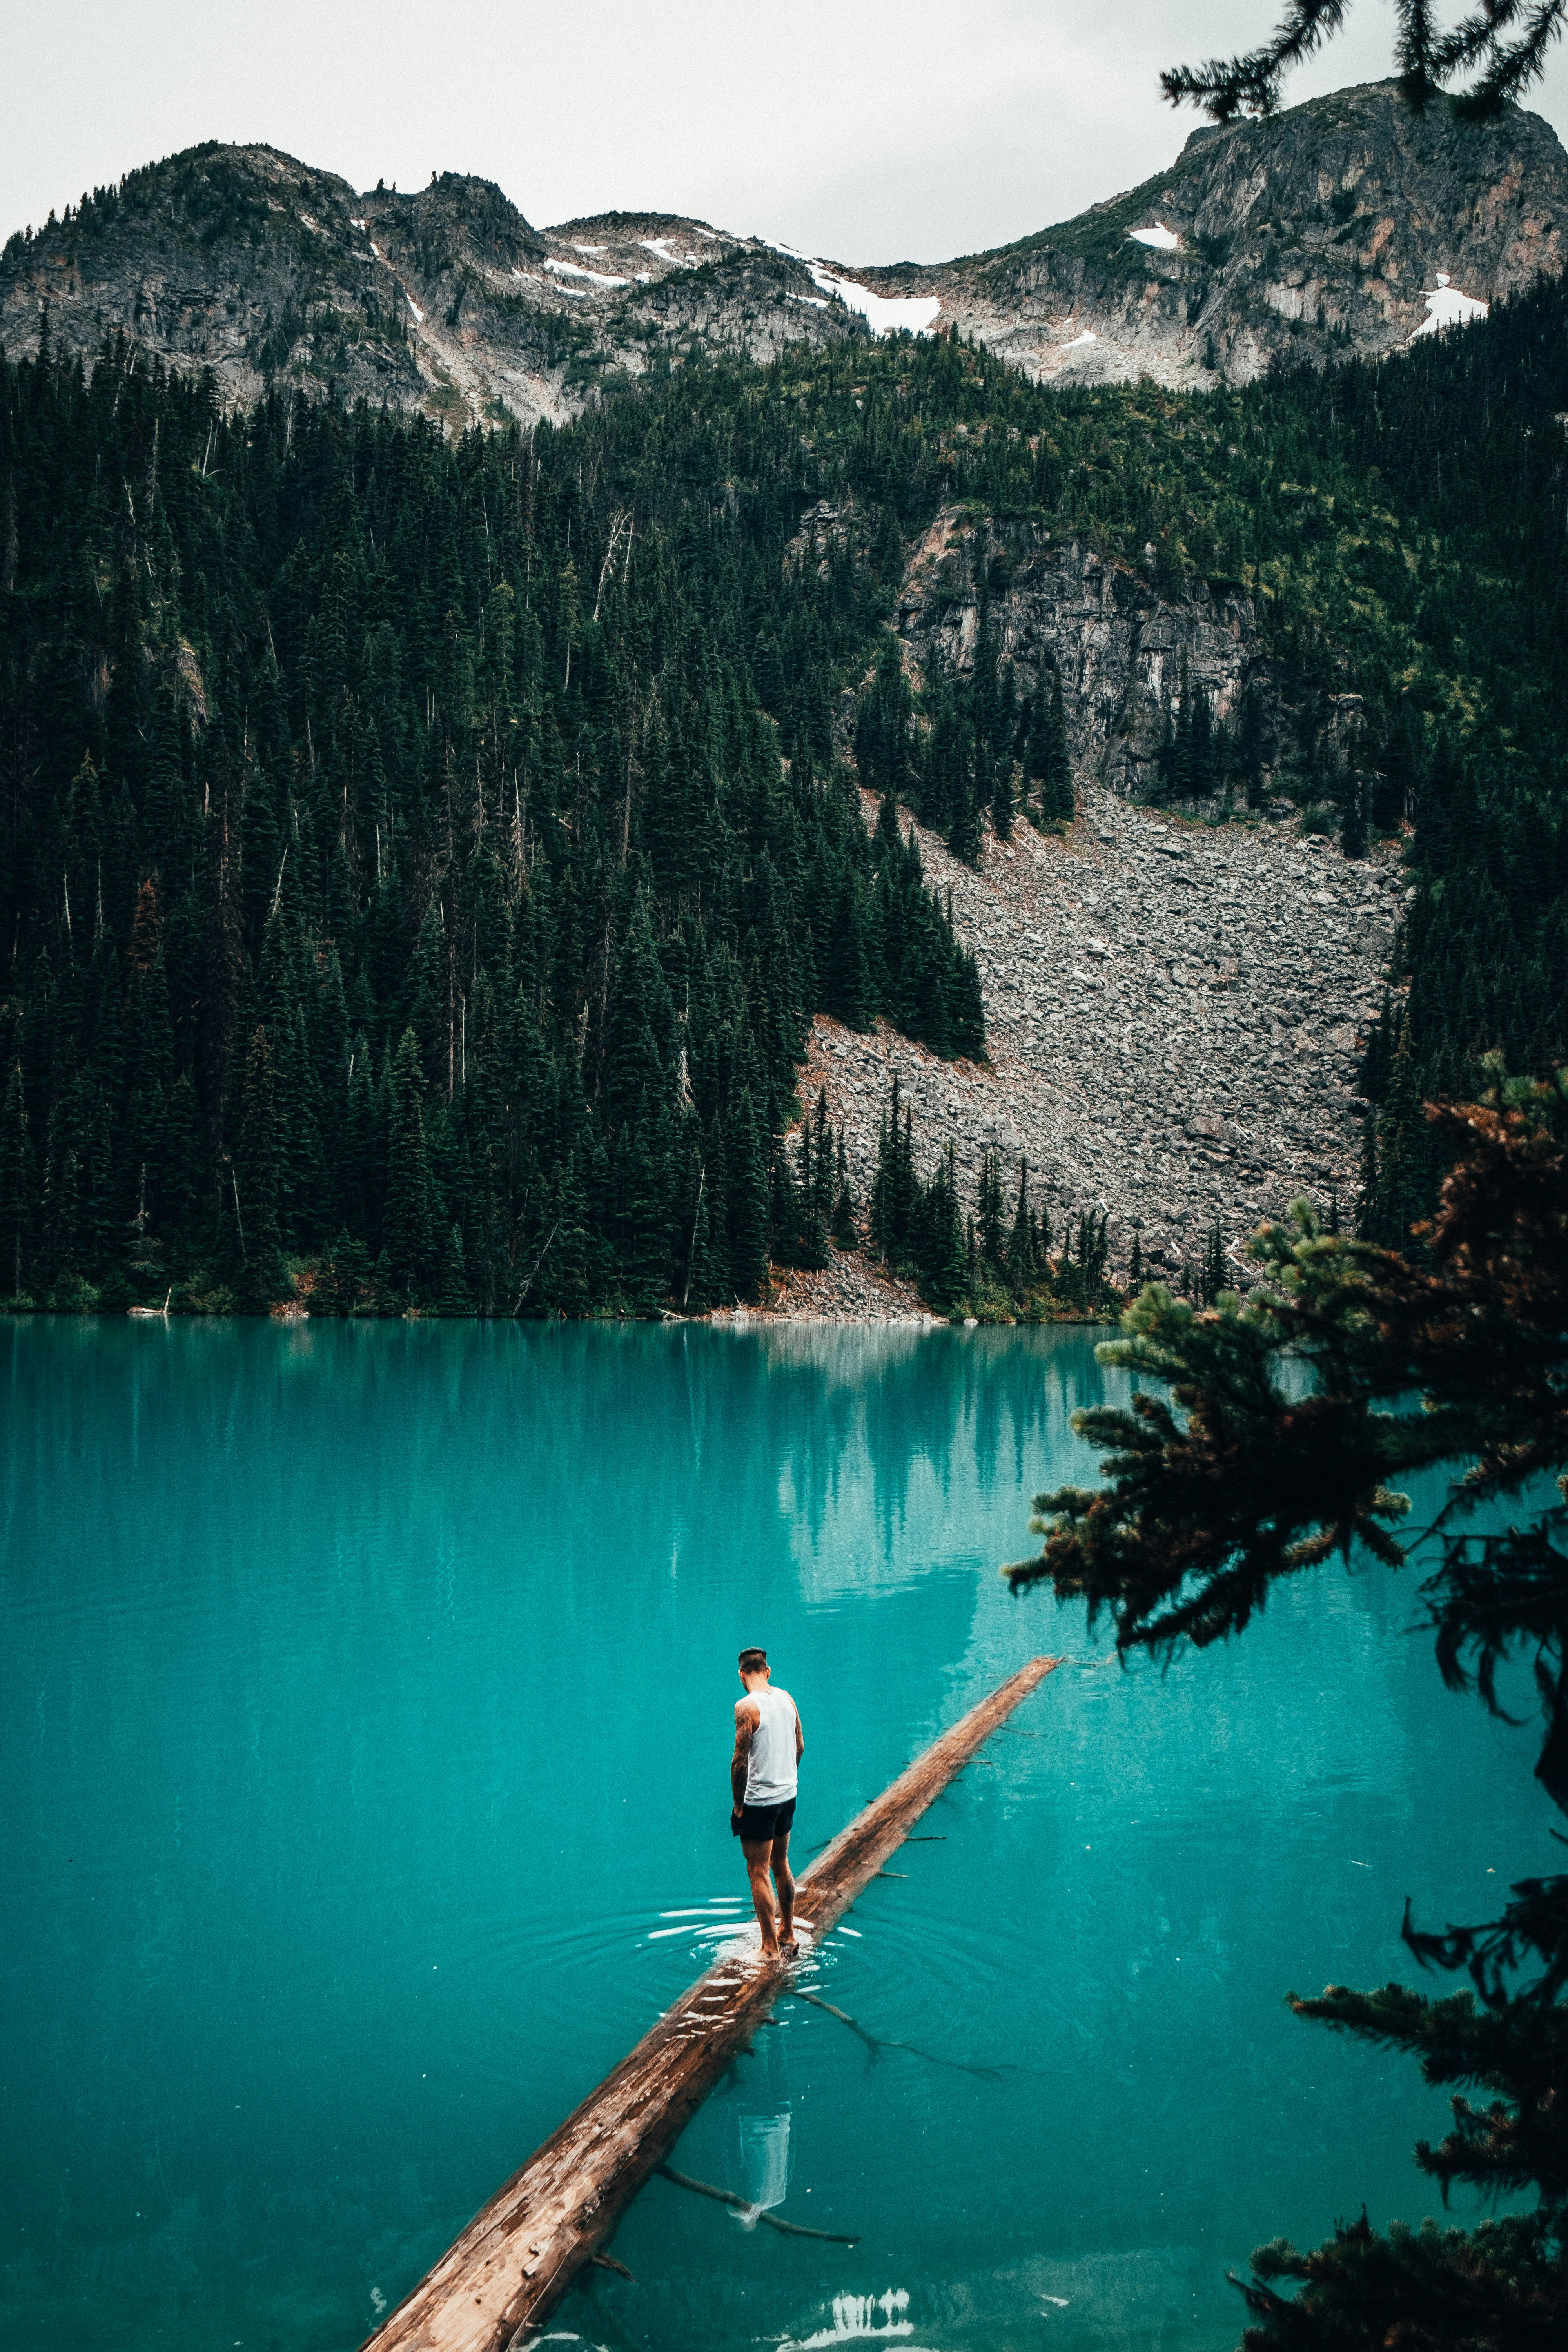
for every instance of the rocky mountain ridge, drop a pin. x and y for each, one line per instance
(276, 277)
(1346, 224)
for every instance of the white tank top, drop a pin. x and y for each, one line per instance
(771, 1766)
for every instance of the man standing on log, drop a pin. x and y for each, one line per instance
(769, 1744)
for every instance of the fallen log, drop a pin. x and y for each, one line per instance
(496, 2285)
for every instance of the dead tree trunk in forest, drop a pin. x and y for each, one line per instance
(496, 2287)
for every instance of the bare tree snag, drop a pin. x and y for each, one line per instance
(496, 2287)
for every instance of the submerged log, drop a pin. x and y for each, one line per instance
(877, 2042)
(496, 2287)
(728, 2196)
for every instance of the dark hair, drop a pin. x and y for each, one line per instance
(753, 1662)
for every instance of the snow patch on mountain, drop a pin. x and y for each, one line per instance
(662, 245)
(885, 314)
(575, 268)
(1164, 239)
(1449, 308)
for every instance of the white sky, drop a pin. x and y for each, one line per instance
(881, 131)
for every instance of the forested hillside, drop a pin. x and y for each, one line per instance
(422, 859)
(399, 864)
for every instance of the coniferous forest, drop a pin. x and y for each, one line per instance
(423, 860)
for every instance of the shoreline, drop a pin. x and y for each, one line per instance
(796, 1306)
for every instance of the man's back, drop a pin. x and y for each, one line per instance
(771, 1771)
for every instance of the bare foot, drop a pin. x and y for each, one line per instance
(789, 1947)
(770, 1952)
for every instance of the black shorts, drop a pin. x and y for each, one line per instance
(757, 1824)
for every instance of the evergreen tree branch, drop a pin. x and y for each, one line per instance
(1282, 1424)
(1427, 61)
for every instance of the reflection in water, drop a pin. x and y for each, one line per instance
(856, 2316)
(764, 2163)
(761, 2166)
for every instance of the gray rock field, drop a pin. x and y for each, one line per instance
(1174, 1014)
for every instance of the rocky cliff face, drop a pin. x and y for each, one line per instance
(1321, 231)
(1118, 643)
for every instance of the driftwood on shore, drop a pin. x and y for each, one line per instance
(496, 2286)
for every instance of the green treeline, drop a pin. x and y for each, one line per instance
(422, 860)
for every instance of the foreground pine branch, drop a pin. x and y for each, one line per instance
(1287, 1421)
(1504, 44)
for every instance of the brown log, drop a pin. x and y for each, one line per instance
(496, 2287)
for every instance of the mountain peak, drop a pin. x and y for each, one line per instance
(1329, 228)
(1307, 234)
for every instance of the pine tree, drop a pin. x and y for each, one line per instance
(893, 1187)
(262, 1277)
(1021, 1241)
(1253, 747)
(748, 1204)
(453, 1295)
(1058, 802)
(408, 1246)
(963, 837)
(1004, 801)
(846, 1233)
(846, 974)
(16, 1187)
(990, 1227)
(941, 1247)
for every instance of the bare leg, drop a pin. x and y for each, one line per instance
(758, 1857)
(783, 1879)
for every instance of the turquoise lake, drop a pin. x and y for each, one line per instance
(367, 1714)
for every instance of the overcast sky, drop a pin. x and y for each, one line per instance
(865, 130)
